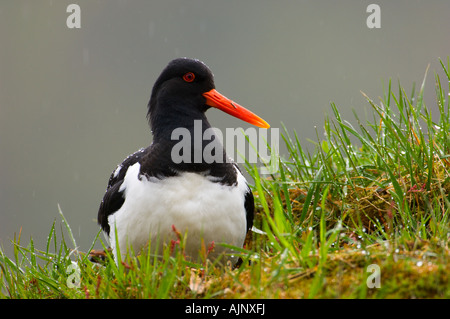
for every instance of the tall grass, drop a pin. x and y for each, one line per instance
(393, 189)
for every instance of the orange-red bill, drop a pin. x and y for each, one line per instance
(217, 100)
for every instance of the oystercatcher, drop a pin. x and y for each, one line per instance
(153, 195)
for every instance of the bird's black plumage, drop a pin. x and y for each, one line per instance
(113, 198)
(174, 103)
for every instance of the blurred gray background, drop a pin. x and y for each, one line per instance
(73, 101)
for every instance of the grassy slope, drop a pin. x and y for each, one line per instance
(326, 215)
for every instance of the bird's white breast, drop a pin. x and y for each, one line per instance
(190, 202)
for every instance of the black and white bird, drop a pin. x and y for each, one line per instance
(151, 193)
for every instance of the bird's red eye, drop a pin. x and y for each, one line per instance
(189, 77)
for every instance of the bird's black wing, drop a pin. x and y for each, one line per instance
(249, 202)
(249, 205)
(113, 198)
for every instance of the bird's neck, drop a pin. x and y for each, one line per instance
(165, 126)
(187, 146)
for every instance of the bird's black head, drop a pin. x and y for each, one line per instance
(183, 92)
(177, 93)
